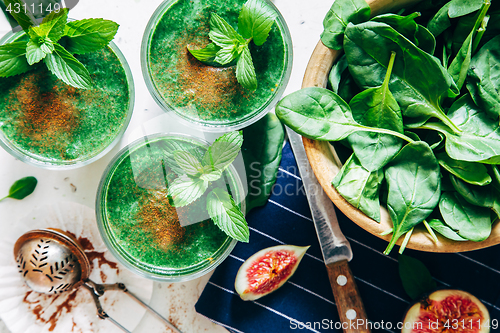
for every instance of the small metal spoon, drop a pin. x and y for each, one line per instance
(52, 261)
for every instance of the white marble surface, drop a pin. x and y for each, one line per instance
(174, 301)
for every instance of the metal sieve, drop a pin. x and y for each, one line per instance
(52, 261)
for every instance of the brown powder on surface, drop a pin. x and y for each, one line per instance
(159, 218)
(47, 117)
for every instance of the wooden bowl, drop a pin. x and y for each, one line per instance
(326, 165)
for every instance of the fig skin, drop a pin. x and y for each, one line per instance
(426, 303)
(267, 270)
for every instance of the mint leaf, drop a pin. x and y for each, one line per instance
(36, 52)
(13, 59)
(189, 164)
(223, 151)
(52, 25)
(209, 174)
(206, 54)
(256, 20)
(89, 35)
(25, 19)
(185, 190)
(226, 55)
(227, 215)
(222, 34)
(67, 68)
(245, 71)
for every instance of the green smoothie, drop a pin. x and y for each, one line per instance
(50, 121)
(202, 93)
(139, 219)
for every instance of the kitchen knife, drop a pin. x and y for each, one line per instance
(334, 246)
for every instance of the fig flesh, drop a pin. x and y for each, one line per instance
(447, 311)
(267, 270)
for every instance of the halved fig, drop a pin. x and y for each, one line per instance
(446, 311)
(267, 270)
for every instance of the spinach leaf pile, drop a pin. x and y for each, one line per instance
(416, 99)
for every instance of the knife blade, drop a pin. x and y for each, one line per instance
(334, 246)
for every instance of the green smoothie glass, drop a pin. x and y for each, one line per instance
(49, 124)
(209, 97)
(137, 219)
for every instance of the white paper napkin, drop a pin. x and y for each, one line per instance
(25, 311)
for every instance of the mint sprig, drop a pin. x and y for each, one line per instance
(196, 177)
(255, 21)
(46, 42)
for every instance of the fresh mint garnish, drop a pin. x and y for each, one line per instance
(185, 190)
(188, 163)
(78, 37)
(254, 23)
(22, 188)
(24, 18)
(67, 68)
(13, 59)
(207, 54)
(89, 35)
(227, 215)
(197, 176)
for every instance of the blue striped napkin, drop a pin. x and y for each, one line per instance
(306, 303)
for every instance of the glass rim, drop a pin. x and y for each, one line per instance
(147, 270)
(213, 126)
(38, 161)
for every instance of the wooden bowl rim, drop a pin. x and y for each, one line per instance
(325, 167)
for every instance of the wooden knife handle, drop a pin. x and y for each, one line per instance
(351, 310)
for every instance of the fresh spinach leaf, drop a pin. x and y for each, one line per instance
(416, 278)
(413, 178)
(479, 140)
(483, 196)
(376, 107)
(360, 187)
(22, 188)
(440, 21)
(445, 230)
(340, 14)
(419, 80)
(261, 150)
(470, 221)
(483, 80)
(227, 215)
(406, 25)
(460, 65)
(464, 7)
(320, 114)
(341, 80)
(470, 172)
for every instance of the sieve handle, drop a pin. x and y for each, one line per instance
(97, 290)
